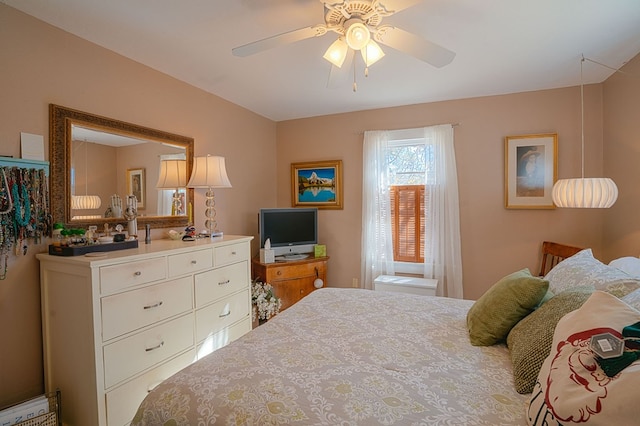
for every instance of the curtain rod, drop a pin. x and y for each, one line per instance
(391, 130)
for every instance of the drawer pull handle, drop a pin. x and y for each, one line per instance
(155, 305)
(224, 282)
(233, 253)
(158, 346)
(193, 262)
(137, 273)
(225, 315)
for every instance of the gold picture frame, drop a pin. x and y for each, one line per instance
(531, 169)
(136, 186)
(317, 184)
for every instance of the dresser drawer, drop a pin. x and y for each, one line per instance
(231, 253)
(126, 357)
(131, 310)
(218, 283)
(123, 401)
(117, 277)
(190, 262)
(222, 314)
(286, 272)
(224, 337)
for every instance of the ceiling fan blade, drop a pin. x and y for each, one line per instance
(279, 40)
(398, 5)
(415, 46)
(338, 75)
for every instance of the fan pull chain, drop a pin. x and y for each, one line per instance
(355, 85)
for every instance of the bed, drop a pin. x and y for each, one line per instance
(352, 356)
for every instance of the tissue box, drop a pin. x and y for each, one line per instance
(320, 250)
(267, 256)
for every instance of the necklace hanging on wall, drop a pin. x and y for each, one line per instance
(22, 211)
(6, 207)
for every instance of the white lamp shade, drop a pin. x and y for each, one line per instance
(173, 174)
(85, 202)
(337, 52)
(357, 35)
(587, 193)
(209, 172)
(372, 53)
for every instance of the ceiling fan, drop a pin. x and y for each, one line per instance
(358, 24)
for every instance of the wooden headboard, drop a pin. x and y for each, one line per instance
(554, 253)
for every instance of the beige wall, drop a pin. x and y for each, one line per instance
(495, 241)
(40, 65)
(622, 158)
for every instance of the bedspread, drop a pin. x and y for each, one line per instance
(349, 357)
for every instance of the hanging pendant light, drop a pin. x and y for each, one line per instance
(586, 193)
(85, 202)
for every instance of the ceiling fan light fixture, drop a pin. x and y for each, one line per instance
(337, 52)
(357, 34)
(372, 53)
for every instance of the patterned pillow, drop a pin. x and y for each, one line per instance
(529, 341)
(584, 269)
(508, 301)
(571, 387)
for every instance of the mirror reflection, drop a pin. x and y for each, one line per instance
(106, 168)
(109, 171)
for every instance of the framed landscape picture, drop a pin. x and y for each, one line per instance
(317, 184)
(530, 170)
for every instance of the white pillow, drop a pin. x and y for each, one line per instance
(571, 387)
(630, 265)
(633, 299)
(582, 269)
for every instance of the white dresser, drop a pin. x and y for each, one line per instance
(116, 326)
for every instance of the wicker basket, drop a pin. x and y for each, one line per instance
(52, 418)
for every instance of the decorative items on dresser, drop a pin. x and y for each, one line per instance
(116, 324)
(292, 280)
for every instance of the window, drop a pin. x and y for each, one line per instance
(407, 159)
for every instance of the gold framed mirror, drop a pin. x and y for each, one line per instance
(110, 159)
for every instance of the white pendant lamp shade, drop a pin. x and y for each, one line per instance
(586, 193)
(209, 172)
(85, 202)
(173, 174)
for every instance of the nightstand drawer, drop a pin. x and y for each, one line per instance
(285, 271)
(231, 253)
(219, 315)
(129, 311)
(188, 263)
(126, 357)
(218, 283)
(117, 277)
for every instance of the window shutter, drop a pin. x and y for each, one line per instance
(408, 222)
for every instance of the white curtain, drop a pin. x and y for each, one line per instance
(377, 244)
(442, 257)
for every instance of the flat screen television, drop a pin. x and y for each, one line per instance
(291, 231)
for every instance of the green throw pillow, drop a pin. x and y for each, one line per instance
(530, 340)
(508, 301)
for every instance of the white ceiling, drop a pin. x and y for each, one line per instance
(502, 46)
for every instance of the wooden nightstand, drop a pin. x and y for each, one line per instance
(291, 280)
